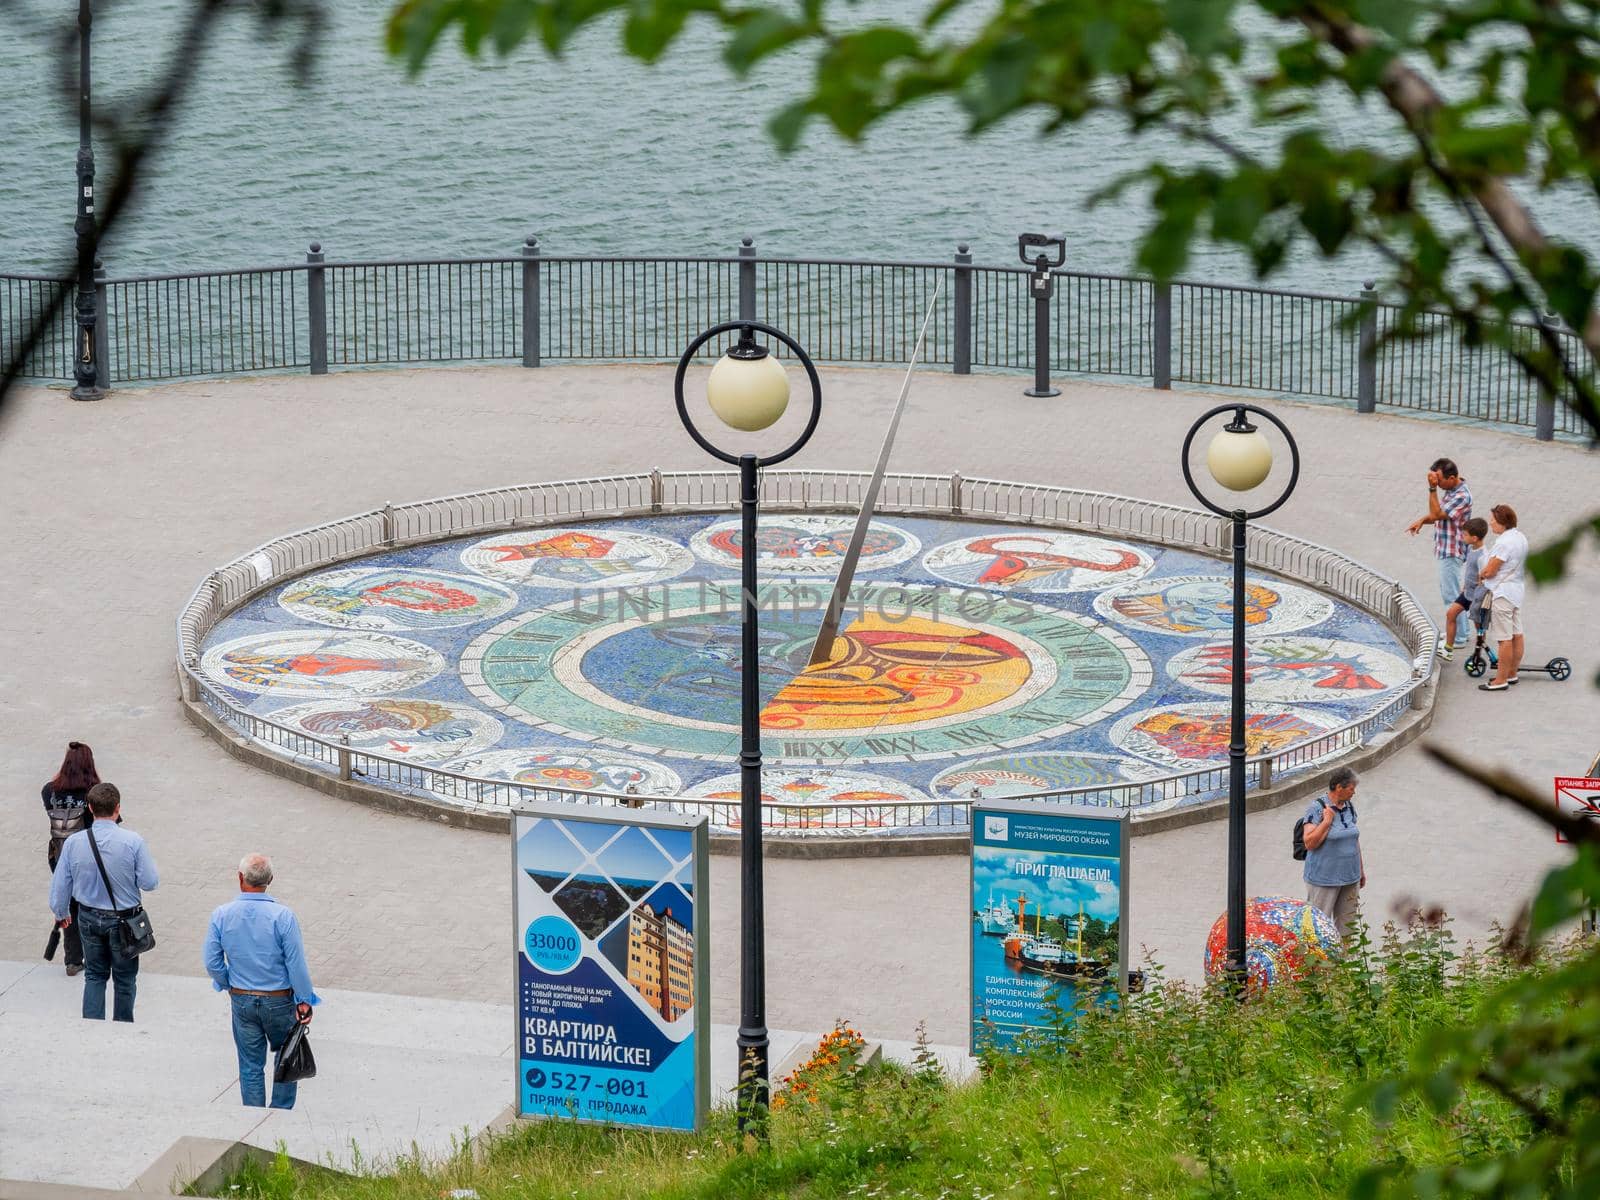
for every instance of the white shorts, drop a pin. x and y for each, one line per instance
(1505, 620)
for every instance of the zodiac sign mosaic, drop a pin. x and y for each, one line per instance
(573, 769)
(417, 730)
(1202, 606)
(321, 663)
(805, 545)
(578, 558)
(996, 777)
(1037, 561)
(820, 801)
(1296, 668)
(394, 600)
(1182, 736)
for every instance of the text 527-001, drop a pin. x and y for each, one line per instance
(571, 1081)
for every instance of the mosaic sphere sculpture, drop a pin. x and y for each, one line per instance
(1281, 935)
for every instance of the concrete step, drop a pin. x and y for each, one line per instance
(395, 1075)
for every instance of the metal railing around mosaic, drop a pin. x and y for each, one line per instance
(271, 564)
(537, 309)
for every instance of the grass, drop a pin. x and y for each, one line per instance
(1183, 1093)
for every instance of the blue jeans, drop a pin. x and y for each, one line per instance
(261, 1023)
(96, 928)
(1450, 571)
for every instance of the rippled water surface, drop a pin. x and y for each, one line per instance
(595, 153)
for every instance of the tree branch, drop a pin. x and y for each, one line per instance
(1509, 787)
(1416, 100)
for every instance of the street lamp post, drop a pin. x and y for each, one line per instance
(749, 390)
(85, 370)
(1240, 459)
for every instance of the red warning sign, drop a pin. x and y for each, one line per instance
(1577, 797)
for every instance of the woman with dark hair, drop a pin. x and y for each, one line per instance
(66, 804)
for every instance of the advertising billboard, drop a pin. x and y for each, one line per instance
(612, 1004)
(1049, 888)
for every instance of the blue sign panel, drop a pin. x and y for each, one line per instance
(1049, 915)
(611, 993)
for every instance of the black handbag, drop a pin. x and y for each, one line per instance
(133, 934)
(294, 1061)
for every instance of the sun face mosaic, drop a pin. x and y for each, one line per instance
(973, 660)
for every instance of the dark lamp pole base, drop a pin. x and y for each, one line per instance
(92, 392)
(1045, 392)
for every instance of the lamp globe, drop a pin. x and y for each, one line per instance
(1239, 457)
(748, 389)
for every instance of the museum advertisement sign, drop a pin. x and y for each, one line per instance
(612, 1006)
(1049, 915)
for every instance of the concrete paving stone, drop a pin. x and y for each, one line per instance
(189, 475)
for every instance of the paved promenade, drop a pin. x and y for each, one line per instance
(117, 509)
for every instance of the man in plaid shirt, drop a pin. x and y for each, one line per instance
(1449, 510)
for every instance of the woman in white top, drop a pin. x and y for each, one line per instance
(1503, 576)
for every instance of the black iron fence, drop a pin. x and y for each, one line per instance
(535, 309)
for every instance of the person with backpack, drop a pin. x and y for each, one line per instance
(1329, 840)
(66, 804)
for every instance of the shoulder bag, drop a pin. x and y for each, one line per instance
(294, 1061)
(133, 934)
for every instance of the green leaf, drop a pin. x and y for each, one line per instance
(1205, 26)
(788, 123)
(763, 32)
(652, 25)
(1487, 149)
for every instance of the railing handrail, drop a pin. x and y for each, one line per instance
(362, 533)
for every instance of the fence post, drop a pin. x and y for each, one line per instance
(317, 310)
(1367, 352)
(961, 359)
(102, 334)
(1544, 417)
(344, 757)
(530, 302)
(955, 493)
(388, 523)
(656, 490)
(747, 279)
(1161, 337)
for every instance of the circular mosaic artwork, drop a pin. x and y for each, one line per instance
(819, 801)
(998, 776)
(578, 558)
(574, 769)
(970, 657)
(791, 544)
(1185, 736)
(908, 678)
(1202, 606)
(394, 600)
(418, 730)
(321, 663)
(1294, 668)
(1038, 561)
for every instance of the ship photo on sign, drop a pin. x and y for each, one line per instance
(610, 966)
(1049, 933)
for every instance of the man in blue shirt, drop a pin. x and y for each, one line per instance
(1334, 871)
(254, 952)
(77, 877)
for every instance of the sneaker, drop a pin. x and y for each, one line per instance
(1446, 652)
(74, 968)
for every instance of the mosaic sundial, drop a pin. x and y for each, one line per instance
(972, 659)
